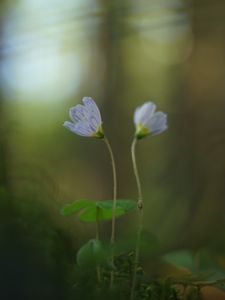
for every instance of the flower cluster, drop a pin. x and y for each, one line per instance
(87, 121)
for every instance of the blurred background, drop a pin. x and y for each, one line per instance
(121, 53)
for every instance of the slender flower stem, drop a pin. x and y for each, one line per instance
(140, 221)
(136, 173)
(112, 240)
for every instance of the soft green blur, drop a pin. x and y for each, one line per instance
(121, 53)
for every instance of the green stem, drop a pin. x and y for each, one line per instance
(112, 240)
(97, 238)
(140, 221)
(140, 196)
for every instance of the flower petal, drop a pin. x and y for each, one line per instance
(93, 110)
(83, 129)
(144, 113)
(94, 123)
(79, 113)
(160, 130)
(79, 128)
(69, 125)
(137, 115)
(158, 123)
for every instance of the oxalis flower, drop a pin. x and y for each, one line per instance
(86, 119)
(147, 121)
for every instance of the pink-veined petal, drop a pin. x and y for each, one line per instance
(93, 110)
(79, 113)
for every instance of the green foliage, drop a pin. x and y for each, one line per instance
(125, 205)
(92, 254)
(204, 270)
(201, 265)
(124, 265)
(77, 206)
(90, 211)
(97, 213)
(181, 259)
(159, 289)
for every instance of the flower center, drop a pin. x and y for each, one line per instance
(141, 131)
(99, 134)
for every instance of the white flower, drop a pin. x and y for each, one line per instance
(86, 119)
(147, 121)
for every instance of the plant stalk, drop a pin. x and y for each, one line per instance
(112, 239)
(140, 219)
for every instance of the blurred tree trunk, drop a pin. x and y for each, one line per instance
(111, 33)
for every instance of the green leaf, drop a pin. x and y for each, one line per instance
(88, 209)
(125, 205)
(90, 214)
(76, 206)
(91, 254)
(181, 259)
